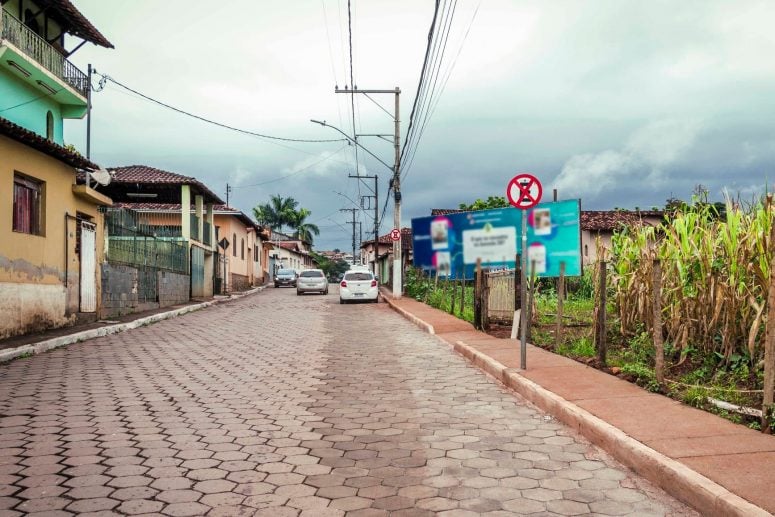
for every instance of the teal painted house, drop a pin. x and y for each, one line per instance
(39, 87)
(51, 230)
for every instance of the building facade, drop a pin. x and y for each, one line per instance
(51, 231)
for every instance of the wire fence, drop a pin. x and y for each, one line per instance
(133, 239)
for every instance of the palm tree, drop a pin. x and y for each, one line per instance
(278, 212)
(303, 229)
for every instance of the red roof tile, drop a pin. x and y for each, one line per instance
(609, 220)
(78, 24)
(37, 142)
(145, 175)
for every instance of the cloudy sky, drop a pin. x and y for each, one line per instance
(620, 103)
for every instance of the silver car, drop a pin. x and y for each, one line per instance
(312, 281)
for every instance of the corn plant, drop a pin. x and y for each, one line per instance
(715, 275)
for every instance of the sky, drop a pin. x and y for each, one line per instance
(619, 103)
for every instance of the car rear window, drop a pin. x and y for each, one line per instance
(311, 274)
(357, 276)
(286, 272)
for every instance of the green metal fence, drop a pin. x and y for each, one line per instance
(132, 241)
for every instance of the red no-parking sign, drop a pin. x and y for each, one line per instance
(524, 191)
(395, 234)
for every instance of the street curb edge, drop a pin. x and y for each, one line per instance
(703, 494)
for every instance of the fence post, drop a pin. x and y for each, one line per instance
(600, 324)
(463, 294)
(530, 300)
(477, 295)
(560, 299)
(659, 348)
(768, 408)
(454, 294)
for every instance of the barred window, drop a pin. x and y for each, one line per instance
(27, 205)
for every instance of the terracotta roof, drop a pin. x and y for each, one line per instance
(446, 211)
(406, 239)
(145, 175)
(78, 24)
(609, 220)
(37, 142)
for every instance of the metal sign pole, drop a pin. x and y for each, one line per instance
(523, 297)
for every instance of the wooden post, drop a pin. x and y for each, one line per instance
(463, 294)
(477, 296)
(659, 348)
(768, 408)
(454, 294)
(600, 324)
(560, 299)
(530, 299)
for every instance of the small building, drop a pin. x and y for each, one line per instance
(602, 224)
(242, 260)
(51, 233)
(174, 209)
(384, 254)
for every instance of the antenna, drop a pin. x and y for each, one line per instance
(101, 176)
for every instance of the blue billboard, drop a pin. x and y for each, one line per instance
(449, 245)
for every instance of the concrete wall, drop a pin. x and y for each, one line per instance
(41, 272)
(125, 290)
(239, 282)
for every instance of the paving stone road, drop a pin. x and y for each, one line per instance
(283, 405)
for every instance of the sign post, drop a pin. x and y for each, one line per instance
(524, 192)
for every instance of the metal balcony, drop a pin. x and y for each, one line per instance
(37, 48)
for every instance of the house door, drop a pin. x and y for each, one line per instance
(88, 302)
(197, 271)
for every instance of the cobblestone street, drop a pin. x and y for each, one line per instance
(282, 405)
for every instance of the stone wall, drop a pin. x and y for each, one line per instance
(239, 282)
(128, 289)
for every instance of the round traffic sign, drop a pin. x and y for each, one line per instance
(395, 234)
(524, 191)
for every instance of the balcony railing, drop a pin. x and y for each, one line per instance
(194, 227)
(41, 51)
(206, 239)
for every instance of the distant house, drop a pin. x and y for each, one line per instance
(602, 224)
(242, 263)
(51, 232)
(290, 253)
(383, 254)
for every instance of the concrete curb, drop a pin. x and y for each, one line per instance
(703, 494)
(427, 327)
(50, 344)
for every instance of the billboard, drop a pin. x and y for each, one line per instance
(449, 245)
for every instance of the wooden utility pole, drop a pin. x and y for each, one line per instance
(659, 348)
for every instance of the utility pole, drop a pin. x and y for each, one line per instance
(88, 117)
(395, 184)
(376, 214)
(353, 210)
(228, 191)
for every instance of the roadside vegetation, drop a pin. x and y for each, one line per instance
(715, 273)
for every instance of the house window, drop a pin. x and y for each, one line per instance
(234, 244)
(242, 252)
(586, 250)
(50, 125)
(27, 205)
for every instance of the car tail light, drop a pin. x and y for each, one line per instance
(373, 283)
(343, 284)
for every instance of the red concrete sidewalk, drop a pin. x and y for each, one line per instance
(716, 466)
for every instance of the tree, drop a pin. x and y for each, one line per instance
(331, 268)
(278, 212)
(490, 202)
(302, 229)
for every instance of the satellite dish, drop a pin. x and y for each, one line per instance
(101, 176)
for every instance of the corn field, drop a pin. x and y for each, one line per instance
(715, 276)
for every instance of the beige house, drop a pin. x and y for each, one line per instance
(600, 225)
(244, 256)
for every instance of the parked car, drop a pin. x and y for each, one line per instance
(285, 277)
(312, 281)
(358, 285)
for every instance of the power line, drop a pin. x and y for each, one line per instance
(35, 99)
(352, 80)
(279, 178)
(209, 121)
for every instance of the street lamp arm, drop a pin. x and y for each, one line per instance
(323, 123)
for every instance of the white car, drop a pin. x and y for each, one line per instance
(312, 281)
(357, 285)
